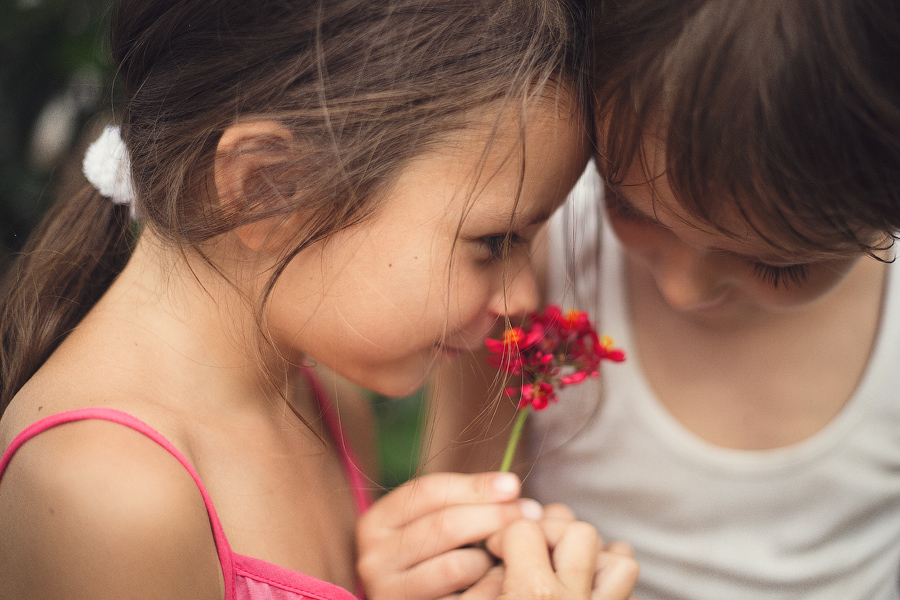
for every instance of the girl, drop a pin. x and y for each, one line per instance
(348, 183)
(748, 447)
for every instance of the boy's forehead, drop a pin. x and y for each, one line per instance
(729, 230)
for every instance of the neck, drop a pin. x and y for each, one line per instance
(197, 323)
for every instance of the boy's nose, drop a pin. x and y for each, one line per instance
(688, 279)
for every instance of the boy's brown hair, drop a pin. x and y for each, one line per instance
(785, 112)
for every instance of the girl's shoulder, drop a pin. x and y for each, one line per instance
(89, 500)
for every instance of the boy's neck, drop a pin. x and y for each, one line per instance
(762, 382)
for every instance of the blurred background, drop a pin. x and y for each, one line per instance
(54, 79)
(56, 92)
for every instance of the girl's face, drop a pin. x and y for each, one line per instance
(427, 276)
(705, 274)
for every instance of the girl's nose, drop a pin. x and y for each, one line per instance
(518, 294)
(689, 279)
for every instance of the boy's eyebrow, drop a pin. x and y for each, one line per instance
(620, 198)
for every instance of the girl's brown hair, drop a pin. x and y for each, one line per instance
(363, 85)
(786, 112)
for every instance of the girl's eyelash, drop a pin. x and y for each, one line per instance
(781, 276)
(499, 245)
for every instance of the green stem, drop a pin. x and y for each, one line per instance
(514, 438)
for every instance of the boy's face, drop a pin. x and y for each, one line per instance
(703, 272)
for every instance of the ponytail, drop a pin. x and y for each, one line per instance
(69, 261)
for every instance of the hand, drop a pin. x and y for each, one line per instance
(423, 540)
(558, 558)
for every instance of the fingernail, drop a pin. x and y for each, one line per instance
(506, 484)
(531, 509)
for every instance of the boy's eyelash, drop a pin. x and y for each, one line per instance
(499, 245)
(781, 276)
(775, 276)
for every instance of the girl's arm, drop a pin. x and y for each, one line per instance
(94, 510)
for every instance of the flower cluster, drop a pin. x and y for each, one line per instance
(552, 351)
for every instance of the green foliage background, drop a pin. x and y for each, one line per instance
(55, 76)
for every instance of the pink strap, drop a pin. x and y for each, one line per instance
(226, 557)
(122, 418)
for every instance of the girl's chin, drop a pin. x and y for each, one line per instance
(398, 385)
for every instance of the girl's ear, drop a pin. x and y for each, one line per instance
(248, 172)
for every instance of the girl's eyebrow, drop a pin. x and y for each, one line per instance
(538, 216)
(524, 218)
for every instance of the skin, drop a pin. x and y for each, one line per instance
(548, 554)
(773, 312)
(342, 302)
(95, 510)
(696, 295)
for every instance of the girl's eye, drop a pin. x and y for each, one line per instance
(499, 246)
(781, 276)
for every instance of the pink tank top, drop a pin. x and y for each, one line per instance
(246, 578)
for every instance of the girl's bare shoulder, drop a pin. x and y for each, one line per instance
(109, 513)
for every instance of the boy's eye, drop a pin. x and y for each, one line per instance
(781, 276)
(621, 209)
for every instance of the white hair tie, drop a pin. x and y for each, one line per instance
(107, 166)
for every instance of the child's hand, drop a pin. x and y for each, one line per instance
(422, 541)
(558, 558)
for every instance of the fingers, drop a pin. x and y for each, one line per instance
(554, 519)
(617, 574)
(412, 543)
(525, 554)
(437, 490)
(575, 557)
(443, 575)
(562, 558)
(488, 587)
(558, 511)
(620, 548)
(452, 527)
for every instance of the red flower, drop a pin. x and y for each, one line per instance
(539, 395)
(551, 351)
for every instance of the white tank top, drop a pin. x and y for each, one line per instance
(819, 519)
